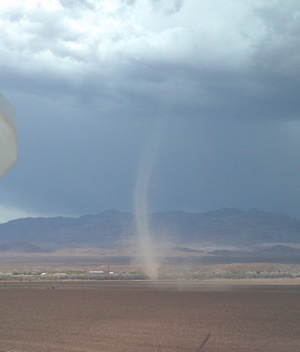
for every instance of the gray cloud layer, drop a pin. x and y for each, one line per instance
(90, 78)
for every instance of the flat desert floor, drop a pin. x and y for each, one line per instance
(142, 316)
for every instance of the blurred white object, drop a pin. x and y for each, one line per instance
(8, 135)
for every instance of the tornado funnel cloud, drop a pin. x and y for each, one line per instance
(141, 201)
(8, 136)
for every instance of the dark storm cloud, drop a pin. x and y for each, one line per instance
(89, 80)
(83, 158)
(228, 161)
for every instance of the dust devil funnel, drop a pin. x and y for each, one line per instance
(8, 137)
(144, 236)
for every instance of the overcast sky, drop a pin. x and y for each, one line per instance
(94, 81)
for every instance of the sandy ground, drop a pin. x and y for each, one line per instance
(148, 316)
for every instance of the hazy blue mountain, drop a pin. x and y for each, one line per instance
(113, 228)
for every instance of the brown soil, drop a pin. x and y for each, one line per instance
(144, 317)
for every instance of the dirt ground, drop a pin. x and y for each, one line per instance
(144, 316)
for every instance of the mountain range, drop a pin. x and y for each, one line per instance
(113, 228)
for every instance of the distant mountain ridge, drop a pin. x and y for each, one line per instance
(113, 228)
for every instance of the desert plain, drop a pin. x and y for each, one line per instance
(157, 316)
